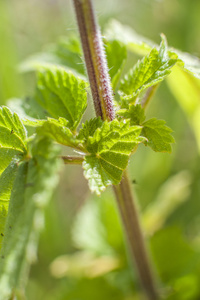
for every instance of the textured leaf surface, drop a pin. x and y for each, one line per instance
(158, 135)
(62, 94)
(89, 127)
(12, 137)
(141, 45)
(110, 148)
(58, 130)
(134, 112)
(116, 54)
(152, 69)
(32, 189)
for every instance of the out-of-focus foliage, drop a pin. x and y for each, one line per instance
(81, 253)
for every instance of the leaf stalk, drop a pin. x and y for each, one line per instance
(72, 160)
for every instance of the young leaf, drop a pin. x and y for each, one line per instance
(62, 94)
(141, 45)
(116, 54)
(58, 130)
(158, 135)
(12, 138)
(33, 187)
(110, 148)
(152, 69)
(89, 128)
(135, 113)
(6, 184)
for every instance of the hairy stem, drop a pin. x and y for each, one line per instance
(95, 59)
(97, 70)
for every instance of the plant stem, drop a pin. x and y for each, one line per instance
(132, 227)
(103, 101)
(72, 160)
(95, 59)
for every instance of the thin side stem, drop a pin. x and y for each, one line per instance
(72, 160)
(130, 218)
(103, 101)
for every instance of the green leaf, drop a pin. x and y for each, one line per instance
(158, 135)
(89, 128)
(110, 148)
(6, 184)
(141, 45)
(62, 94)
(152, 69)
(12, 138)
(33, 187)
(135, 113)
(116, 54)
(58, 131)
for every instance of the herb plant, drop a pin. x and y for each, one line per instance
(30, 155)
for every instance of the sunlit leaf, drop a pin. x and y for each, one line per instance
(158, 135)
(62, 94)
(152, 69)
(110, 148)
(12, 138)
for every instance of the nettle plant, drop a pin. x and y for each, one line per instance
(29, 140)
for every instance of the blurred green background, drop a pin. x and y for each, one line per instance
(81, 253)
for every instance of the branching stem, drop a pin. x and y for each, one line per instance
(102, 96)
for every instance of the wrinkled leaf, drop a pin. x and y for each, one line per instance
(135, 113)
(58, 130)
(62, 94)
(152, 69)
(110, 148)
(158, 135)
(12, 138)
